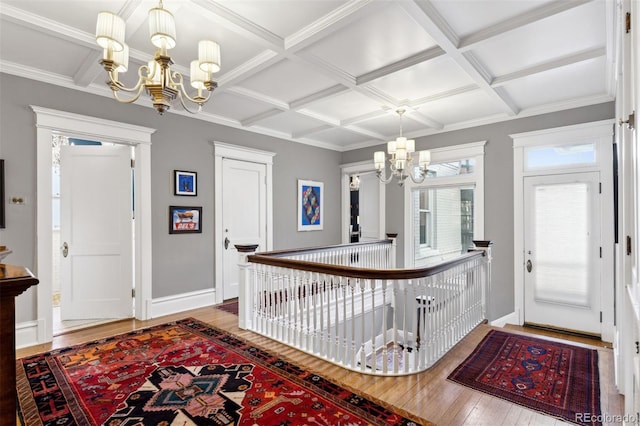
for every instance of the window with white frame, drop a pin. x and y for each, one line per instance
(444, 214)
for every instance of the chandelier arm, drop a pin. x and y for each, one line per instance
(422, 177)
(130, 100)
(385, 179)
(184, 105)
(179, 83)
(142, 80)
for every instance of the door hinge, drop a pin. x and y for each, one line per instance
(637, 347)
(627, 22)
(600, 316)
(133, 292)
(630, 121)
(599, 187)
(628, 245)
(600, 252)
(133, 163)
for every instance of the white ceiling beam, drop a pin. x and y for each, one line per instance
(250, 68)
(560, 62)
(259, 117)
(311, 131)
(402, 64)
(338, 18)
(364, 117)
(215, 12)
(259, 97)
(417, 116)
(323, 95)
(500, 28)
(425, 14)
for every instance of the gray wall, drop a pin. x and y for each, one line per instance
(498, 179)
(184, 143)
(181, 143)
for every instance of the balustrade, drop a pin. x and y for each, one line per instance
(349, 305)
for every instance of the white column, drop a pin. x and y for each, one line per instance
(245, 292)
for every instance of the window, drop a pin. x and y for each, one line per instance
(444, 214)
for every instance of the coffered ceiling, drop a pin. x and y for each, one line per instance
(332, 73)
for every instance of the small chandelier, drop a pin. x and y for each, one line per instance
(401, 160)
(156, 77)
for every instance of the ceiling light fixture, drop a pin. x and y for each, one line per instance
(400, 159)
(156, 77)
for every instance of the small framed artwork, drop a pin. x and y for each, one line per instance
(310, 205)
(185, 183)
(185, 220)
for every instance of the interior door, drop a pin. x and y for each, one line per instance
(369, 208)
(562, 251)
(244, 215)
(96, 232)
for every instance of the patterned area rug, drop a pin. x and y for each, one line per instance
(554, 378)
(184, 373)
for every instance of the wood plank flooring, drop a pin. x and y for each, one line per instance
(428, 395)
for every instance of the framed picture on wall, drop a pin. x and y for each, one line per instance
(185, 183)
(310, 205)
(185, 220)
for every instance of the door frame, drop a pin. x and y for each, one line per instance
(348, 170)
(223, 150)
(601, 134)
(50, 121)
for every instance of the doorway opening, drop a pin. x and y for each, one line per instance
(60, 290)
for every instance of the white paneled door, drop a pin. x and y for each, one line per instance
(244, 211)
(562, 251)
(96, 232)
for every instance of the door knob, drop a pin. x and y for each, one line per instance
(226, 242)
(529, 265)
(65, 249)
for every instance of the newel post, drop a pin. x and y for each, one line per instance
(394, 240)
(245, 283)
(485, 246)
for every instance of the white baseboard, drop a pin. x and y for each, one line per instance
(180, 303)
(27, 333)
(511, 318)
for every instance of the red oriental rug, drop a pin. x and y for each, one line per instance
(184, 373)
(554, 378)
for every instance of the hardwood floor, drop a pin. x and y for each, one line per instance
(428, 395)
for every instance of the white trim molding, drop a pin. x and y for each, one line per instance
(176, 303)
(223, 150)
(473, 150)
(347, 170)
(600, 133)
(50, 122)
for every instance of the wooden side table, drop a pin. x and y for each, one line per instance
(14, 280)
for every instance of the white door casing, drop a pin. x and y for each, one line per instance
(600, 135)
(363, 168)
(370, 207)
(48, 122)
(224, 151)
(244, 215)
(562, 240)
(96, 232)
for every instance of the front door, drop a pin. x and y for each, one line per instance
(562, 251)
(244, 212)
(96, 232)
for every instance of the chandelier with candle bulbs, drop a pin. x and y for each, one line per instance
(401, 159)
(156, 77)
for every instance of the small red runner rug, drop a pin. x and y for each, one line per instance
(554, 378)
(231, 307)
(184, 373)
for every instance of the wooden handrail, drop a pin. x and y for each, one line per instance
(273, 259)
(306, 250)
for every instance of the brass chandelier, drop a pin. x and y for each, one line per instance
(156, 77)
